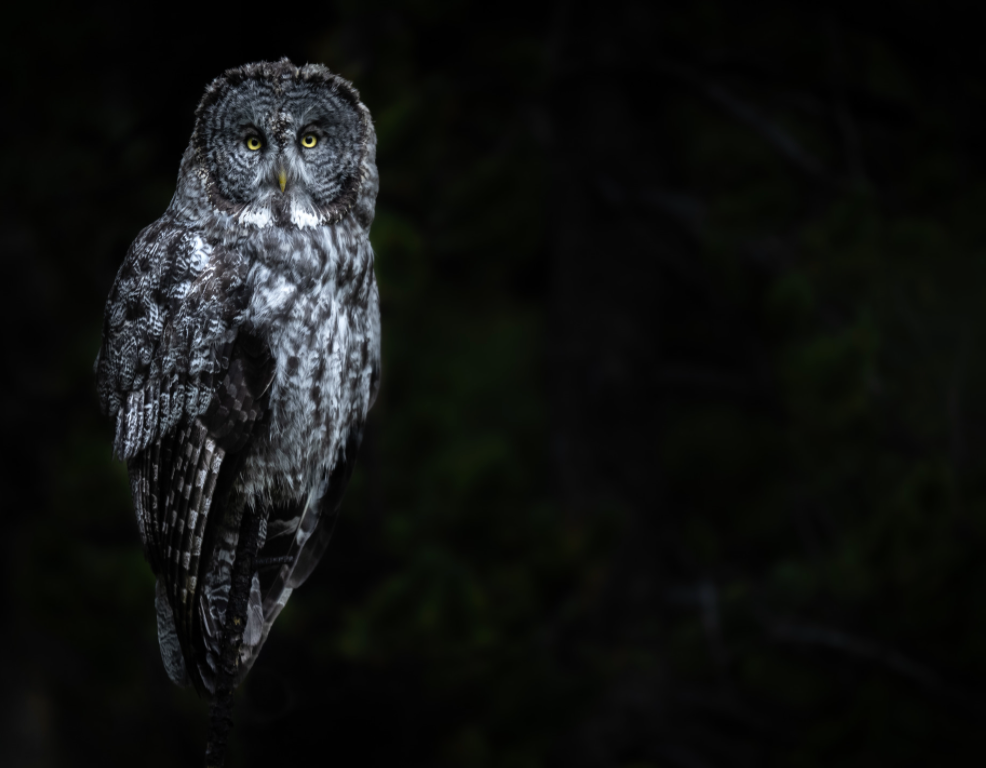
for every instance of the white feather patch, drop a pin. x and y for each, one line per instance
(302, 216)
(258, 217)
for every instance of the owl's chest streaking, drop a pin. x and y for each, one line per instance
(313, 300)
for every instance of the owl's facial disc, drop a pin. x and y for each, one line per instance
(283, 147)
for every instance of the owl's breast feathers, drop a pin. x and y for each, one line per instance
(239, 372)
(313, 298)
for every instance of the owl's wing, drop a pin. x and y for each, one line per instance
(181, 485)
(296, 537)
(169, 325)
(186, 386)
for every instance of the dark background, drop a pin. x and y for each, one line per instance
(680, 456)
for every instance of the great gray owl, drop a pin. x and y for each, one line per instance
(241, 350)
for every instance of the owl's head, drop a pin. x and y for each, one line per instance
(279, 144)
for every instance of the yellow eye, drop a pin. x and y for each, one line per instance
(253, 143)
(309, 140)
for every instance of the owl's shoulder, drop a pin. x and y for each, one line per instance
(169, 307)
(163, 256)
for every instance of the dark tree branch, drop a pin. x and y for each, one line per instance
(221, 715)
(772, 132)
(860, 648)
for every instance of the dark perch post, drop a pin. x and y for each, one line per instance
(221, 715)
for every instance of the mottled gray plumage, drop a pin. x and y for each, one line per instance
(241, 349)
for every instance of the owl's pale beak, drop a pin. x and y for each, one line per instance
(282, 178)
